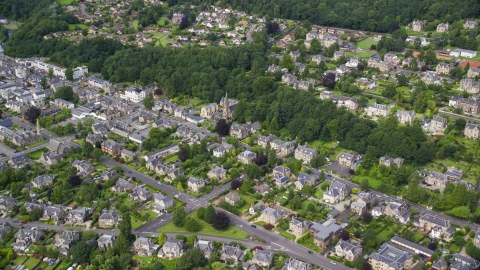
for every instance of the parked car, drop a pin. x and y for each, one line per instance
(254, 226)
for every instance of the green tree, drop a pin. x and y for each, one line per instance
(121, 245)
(262, 85)
(80, 252)
(148, 102)
(192, 225)
(43, 83)
(287, 62)
(35, 214)
(191, 240)
(69, 74)
(179, 217)
(161, 239)
(201, 212)
(209, 214)
(87, 149)
(50, 73)
(364, 185)
(179, 186)
(64, 92)
(97, 153)
(57, 195)
(125, 226)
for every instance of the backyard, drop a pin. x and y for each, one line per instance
(136, 222)
(366, 43)
(207, 229)
(65, 2)
(72, 27)
(360, 54)
(307, 241)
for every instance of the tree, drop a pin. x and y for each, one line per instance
(460, 211)
(209, 214)
(148, 102)
(179, 217)
(64, 92)
(366, 217)
(75, 180)
(161, 239)
(179, 186)
(262, 85)
(272, 27)
(328, 80)
(183, 154)
(235, 184)
(364, 185)
(97, 153)
(121, 245)
(158, 92)
(125, 226)
(221, 221)
(192, 225)
(43, 83)
(50, 73)
(191, 240)
(222, 128)
(69, 74)
(87, 149)
(35, 214)
(201, 213)
(80, 252)
(460, 124)
(344, 235)
(32, 114)
(183, 23)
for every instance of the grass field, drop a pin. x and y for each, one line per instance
(360, 54)
(31, 263)
(137, 222)
(135, 24)
(65, 2)
(318, 194)
(410, 32)
(171, 159)
(287, 235)
(162, 21)
(307, 241)
(38, 143)
(72, 27)
(374, 183)
(387, 233)
(366, 43)
(207, 229)
(11, 26)
(169, 264)
(162, 39)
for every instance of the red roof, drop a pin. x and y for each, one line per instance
(473, 64)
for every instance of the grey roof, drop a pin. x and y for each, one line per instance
(412, 245)
(263, 256)
(324, 231)
(435, 220)
(394, 257)
(271, 212)
(466, 260)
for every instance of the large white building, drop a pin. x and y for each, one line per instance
(78, 72)
(134, 94)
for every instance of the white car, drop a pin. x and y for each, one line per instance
(333, 262)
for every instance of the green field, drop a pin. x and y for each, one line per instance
(161, 21)
(366, 43)
(410, 32)
(135, 24)
(287, 235)
(31, 263)
(318, 194)
(72, 27)
(38, 143)
(11, 26)
(162, 39)
(207, 229)
(307, 241)
(387, 233)
(360, 54)
(169, 264)
(137, 222)
(65, 2)
(374, 183)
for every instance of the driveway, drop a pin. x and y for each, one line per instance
(337, 168)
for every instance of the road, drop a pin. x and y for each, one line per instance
(457, 116)
(249, 33)
(82, 10)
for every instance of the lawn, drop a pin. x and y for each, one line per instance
(307, 241)
(452, 247)
(19, 260)
(410, 32)
(366, 43)
(162, 39)
(387, 233)
(318, 194)
(65, 2)
(138, 222)
(373, 183)
(135, 24)
(31, 263)
(162, 21)
(11, 26)
(360, 54)
(145, 259)
(38, 143)
(37, 153)
(169, 264)
(207, 229)
(417, 237)
(72, 27)
(171, 159)
(287, 235)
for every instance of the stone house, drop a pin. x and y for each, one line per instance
(51, 158)
(264, 141)
(470, 24)
(53, 212)
(209, 110)
(161, 202)
(348, 250)
(144, 246)
(231, 254)
(78, 215)
(336, 192)
(232, 197)
(453, 174)
(246, 157)
(405, 117)
(304, 179)
(468, 106)
(472, 131)
(205, 246)
(299, 227)
(262, 258)
(347, 102)
(239, 132)
(108, 219)
(398, 210)
(7, 203)
(141, 194)
(65, 241)
(258, 207)
(417, 26)
(270, 215)
(294, 264)
(436, 179)
(195, 184)
(42, 181)
(281, 171)
(122, 185)
(262, 189)
(217, 173)
(444, 68)
(324, 233)
(106, 241)
(5, 228)
(365, 201)
(439, 228)
(326, 95)
(286, 148)
(24, 238)
(94, 138)
(378, 110)
(83, 167)
(222, 149)
(18, 161)
(172, 248)
(348, 159)
(305, 153)
(473, 72)
(437, 125)
(389, 257)
(388, 161)
(443, 27)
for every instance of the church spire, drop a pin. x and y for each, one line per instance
(227, 114)
(38, 127)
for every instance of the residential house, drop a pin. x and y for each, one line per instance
(83, 167)
(476, 240)
(262, 189)
(453, 174)
(99, 129)
(94, 138)
(106, 241)
(108, 219)
(389, 257)
(437, 125)
(107, 175)
(270, 215)
(24, 238)
(472, 131)
(217, 173)
(439, 264)
(122, 185)
(444, 68)
(366, 84)
(470, 24)
(239, 132)
(19, 161)
(365, 200)
(378, 110)
(222, 149)
(195, 184)
(246, 157)
(29, 206)
(209, 110)
(347, 102)
(294, 264)
(443, 27)
(53, 212)
(376, 62)
(172, 248)
(141, 194)
(305, 153)
(7, 203)
(5, 228)
(289, 78)
(473, 72)
(468, 106)
(392, 58)
(439, 228)
(405, 117)
(64, 242)
(417, 26)
(388, 161)
(144, 246)
(262, 258)
(460, 262)
(161, 203)
(348, 250)
(281, 171)
(42, 181)
(58, 147)
(326, 95)
(286, 148)
(304, 179)
(78, 215)
(205, 246)
(232, 197)
(51, 158)
(264, 141)
(436, 179)
(256, 208)
(324, 233)
(348, 159)
(398, 210)
(111, 147)
(336, 192)
(177, 18)
(231, 254)
(299, 227)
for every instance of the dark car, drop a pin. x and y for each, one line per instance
(311, 252)
(254, 226)
(129, 171)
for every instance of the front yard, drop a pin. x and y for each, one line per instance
(307, 241)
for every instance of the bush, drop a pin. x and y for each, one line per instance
(325, 185)
(230, 208)
(268, 226)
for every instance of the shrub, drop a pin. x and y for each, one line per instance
(268, 226)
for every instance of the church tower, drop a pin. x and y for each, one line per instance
(38, 127)
(227, 114)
